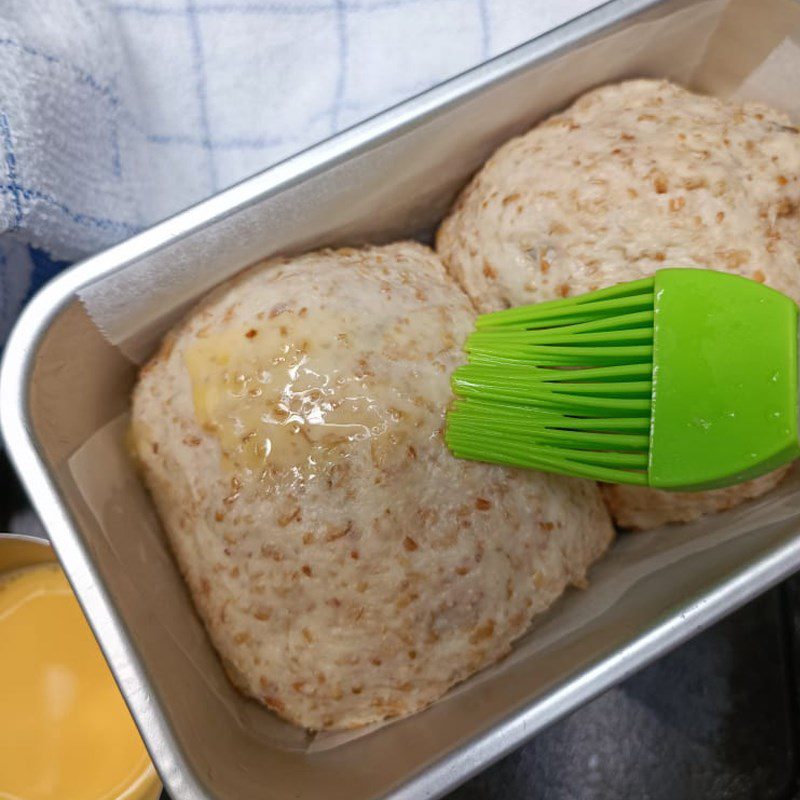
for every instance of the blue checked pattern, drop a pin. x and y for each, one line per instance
(125, 111)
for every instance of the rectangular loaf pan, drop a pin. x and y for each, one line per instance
(65, 388)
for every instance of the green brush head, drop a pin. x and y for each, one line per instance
(684, 381)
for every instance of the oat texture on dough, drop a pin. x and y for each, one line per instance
(346, 566)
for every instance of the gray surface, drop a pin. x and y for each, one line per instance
(712, 720)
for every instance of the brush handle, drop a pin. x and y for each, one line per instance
(725, 380)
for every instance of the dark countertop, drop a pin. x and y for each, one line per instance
(714, 720)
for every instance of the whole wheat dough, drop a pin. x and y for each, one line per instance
(346, 566)
(633, 177)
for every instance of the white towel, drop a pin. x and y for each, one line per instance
(117, 113)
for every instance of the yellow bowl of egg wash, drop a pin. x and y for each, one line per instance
(65, 731)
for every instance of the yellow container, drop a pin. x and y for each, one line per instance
(65, 732)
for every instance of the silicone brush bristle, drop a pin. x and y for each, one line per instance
(563, 386)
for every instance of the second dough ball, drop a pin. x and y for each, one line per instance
(631, 178)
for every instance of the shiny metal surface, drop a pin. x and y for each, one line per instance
(391, 176)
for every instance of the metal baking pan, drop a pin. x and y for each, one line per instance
(65, 387)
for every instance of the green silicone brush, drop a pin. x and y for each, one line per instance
(684, 381)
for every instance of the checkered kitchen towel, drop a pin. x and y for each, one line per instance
(116, 113)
